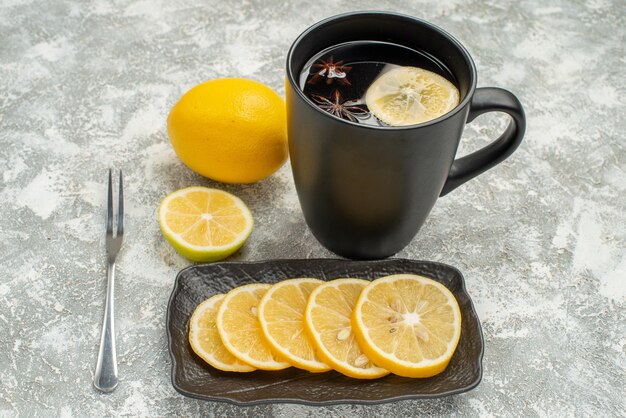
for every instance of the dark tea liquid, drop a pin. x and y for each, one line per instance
(337, 78)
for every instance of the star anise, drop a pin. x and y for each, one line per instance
(348, 109)
(331, 71)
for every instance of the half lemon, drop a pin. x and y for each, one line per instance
(204, 224)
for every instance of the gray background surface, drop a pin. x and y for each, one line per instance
(87, 85)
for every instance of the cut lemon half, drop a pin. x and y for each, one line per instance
(327, 321)
(408, 324)
(410, 95)
(239, 328)
(204, 224)
(205, 340)
(281, 314)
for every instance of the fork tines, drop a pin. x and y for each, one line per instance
(114, 241)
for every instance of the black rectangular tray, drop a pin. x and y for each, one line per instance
(191, 376)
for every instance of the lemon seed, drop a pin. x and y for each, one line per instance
(396, 305)
(343, 334)
(361, 360)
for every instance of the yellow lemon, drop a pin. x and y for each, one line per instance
(408, 324)
(205, 339)
(204, 224)
(231, 130)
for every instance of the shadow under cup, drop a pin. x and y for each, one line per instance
(365, 191)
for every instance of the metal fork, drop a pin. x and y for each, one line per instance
(105, 378)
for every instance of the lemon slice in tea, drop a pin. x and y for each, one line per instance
(410, 95)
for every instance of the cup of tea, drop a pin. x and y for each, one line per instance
(376, 106)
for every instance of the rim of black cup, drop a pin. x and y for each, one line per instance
(470, 63)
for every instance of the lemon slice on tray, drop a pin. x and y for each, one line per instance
(327, 320)
(410, 95)
(408, 324)
(281, 314)
(239, 328)
(205, 340)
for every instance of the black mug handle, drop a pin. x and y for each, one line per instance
(489, 99)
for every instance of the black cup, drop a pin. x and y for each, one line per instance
(364, 190)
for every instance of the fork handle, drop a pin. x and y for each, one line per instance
(105, 378)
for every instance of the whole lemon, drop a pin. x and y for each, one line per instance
(231, 130)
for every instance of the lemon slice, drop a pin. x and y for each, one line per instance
(408, 324)
(281, 314)
(205, 340)
(327, 320)
(204, 224)
(410, 95)
(239, 328)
